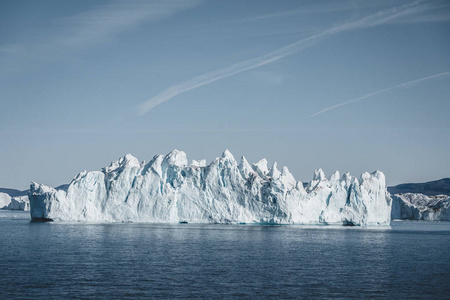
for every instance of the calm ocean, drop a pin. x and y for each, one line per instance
(119, 261)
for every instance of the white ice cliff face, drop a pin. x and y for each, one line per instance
(168, 190)
(415, 206)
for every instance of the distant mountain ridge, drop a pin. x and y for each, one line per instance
(14, 192)
(431, 188)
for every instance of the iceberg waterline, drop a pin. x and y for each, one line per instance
(168, 190)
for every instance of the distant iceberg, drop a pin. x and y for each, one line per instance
(416, 206)
(14, 203)
(5, 199)
(168, 190)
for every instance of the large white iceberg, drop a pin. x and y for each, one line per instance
(168, 190)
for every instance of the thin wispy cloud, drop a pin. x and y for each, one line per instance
(376, 19)
(402, 85)
(440, 14)
(87, 30)
(310, 10)
(107, 21)
(101, 24)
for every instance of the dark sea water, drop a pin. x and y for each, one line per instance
(121, 261)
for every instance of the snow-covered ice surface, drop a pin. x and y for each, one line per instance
(168, 190)
(415, 206)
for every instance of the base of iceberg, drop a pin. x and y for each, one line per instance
(415, 206)
(168, 190)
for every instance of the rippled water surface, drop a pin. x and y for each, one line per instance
(119, 261)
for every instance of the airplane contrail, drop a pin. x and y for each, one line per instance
(376, 19)
(405, 84)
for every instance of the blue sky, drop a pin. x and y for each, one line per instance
(341, 85)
